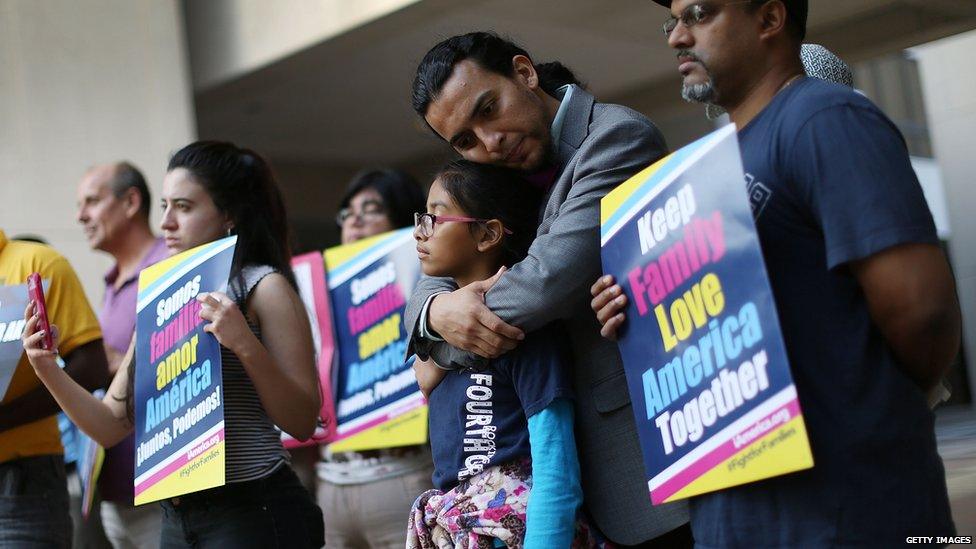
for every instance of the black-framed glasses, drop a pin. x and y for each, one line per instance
(424, 222)
(697, 13)
(371, 211)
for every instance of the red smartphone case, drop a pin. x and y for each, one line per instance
(35, 290)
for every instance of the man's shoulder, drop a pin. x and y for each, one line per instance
(618, 142)
(825, 111)
(23, 250)
(157, 252)
(27, 257)
(814, 97)
(606, 115)
(592, 129)
(618, 127)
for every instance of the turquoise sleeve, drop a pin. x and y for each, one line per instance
(556, 492)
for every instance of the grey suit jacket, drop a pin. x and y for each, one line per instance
(600, 146)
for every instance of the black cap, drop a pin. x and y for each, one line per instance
(795, 9)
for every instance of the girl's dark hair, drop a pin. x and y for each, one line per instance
(491, 192)
(492, 53)
(242, 186)
(401, 194)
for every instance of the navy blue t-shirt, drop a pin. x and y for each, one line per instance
(830, 182)
(478, 418)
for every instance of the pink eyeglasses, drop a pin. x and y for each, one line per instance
(424, 222)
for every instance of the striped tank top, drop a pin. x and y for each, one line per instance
(254, 447)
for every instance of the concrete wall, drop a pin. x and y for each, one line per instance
(232, 37)
(84, 83)
(948, 81)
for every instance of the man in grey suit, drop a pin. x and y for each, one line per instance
(485, 97)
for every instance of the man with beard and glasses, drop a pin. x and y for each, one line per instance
(486, 98)
(818, 62)
(865, 297)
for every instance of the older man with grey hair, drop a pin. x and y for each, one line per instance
(113, 209)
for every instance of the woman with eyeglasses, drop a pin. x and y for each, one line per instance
(377, 201)
(505, 461)
(213, 189)
(365, 495)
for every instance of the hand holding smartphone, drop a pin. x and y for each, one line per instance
(35, 291)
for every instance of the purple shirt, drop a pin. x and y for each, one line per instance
(118, 320)
(118, 313)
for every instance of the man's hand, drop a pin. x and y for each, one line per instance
(608, 304)
(464, 321)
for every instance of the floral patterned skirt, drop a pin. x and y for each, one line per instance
(487, 507)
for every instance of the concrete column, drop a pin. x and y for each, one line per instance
(948, 81)
(85, 83)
